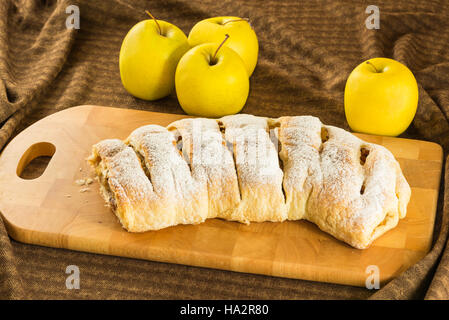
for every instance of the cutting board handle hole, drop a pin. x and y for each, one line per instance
(40, 154)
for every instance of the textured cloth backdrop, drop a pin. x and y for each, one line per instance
(307, 50)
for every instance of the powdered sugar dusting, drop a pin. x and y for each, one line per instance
(169, 172)
(356, 196)
(255, 156)
(123, 170)
(211, 163)
(300, 143)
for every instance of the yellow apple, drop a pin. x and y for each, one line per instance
(211, 81)
(148, 58)
(381, 97)
(243, 39)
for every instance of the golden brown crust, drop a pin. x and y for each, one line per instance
(248, 168)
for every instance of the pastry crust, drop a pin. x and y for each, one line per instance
(246, 168)
(299, 141)
(126, 188)
(183, 196)
(357, 200)
(257, 166)
(211, 162)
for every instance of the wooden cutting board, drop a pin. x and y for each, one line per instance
(51, 211)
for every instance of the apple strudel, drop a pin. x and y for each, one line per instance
(251, 169)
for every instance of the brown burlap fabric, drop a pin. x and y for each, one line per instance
(307, 50)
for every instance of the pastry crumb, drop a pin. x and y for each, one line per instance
(84, 190)
(84, 182)
(68, 195)
(80, 182)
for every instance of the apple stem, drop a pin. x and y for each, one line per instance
(158, 26)
(235, 20)
(221, 44)
(377, 71)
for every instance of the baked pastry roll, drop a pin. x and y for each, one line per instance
(246, 168)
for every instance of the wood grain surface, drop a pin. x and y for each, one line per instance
(51, 211)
